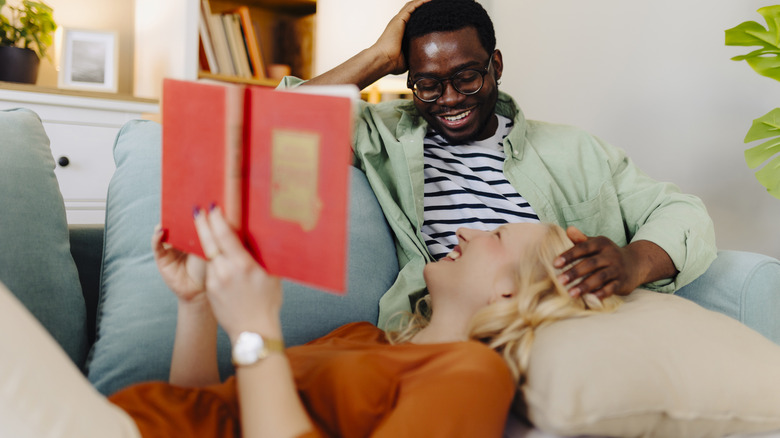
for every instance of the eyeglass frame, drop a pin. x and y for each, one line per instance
(482, 72)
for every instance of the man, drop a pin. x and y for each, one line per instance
(463, 154)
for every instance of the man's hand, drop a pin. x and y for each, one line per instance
(603, 268)
(382, 58)
(389, 43)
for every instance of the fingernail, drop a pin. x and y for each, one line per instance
(563, 278)
(574, 292)
(559, 262)
(195, 212)
(212, 206)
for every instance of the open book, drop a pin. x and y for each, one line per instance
(276, 162)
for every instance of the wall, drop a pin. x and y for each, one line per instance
(114, 15)
(654, 78)
(342, 31)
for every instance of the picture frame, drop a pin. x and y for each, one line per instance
(89, 60)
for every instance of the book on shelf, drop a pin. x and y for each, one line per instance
(277, 164)
(229, 43)
(252, 43)
(236, 44)
(217, 39)
(208, 59)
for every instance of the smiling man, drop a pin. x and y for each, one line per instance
(461, 153)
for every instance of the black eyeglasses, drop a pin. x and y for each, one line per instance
(468, 81)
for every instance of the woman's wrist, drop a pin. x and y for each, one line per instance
(196, 305)
(269, 327)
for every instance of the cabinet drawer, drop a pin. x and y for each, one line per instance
(90, 164)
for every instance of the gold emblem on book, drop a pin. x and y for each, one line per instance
(295, 158)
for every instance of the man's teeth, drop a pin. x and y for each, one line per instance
(457, 117)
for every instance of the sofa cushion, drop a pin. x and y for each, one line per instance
(137, 312)
(36, 264)
(660, 366)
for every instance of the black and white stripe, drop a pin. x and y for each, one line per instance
(465, 187)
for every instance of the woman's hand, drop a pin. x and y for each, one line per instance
(242, 295)
(389, 43)
(185, 274)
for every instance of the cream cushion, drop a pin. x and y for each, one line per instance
(660, 366)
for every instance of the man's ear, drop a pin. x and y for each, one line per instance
(498, 65)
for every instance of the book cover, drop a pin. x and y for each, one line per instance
(202, 136)
(290, 168)
(297, 180)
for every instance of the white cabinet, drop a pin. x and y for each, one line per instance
(82, 128)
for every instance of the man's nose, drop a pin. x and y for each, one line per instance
(449, 95)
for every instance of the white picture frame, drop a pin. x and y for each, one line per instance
(89, 60)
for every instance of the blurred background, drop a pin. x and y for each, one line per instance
(654, 78)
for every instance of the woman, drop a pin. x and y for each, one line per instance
(429, 379)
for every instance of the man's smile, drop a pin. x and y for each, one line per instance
(454, 120)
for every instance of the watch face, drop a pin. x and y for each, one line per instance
(248, 349)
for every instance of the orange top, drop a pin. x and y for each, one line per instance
(353, 384)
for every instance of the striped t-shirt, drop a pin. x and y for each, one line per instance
(465, 187)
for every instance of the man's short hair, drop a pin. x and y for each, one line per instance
(446, 16)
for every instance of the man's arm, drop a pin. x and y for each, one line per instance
(382, 58)
(670, 237)
(607, 269)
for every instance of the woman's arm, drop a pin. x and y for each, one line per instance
(245, 298)
(194, 361)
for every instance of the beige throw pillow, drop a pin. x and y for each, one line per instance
(660, 366)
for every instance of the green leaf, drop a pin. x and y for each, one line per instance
(766, 60)
(744, 35)
(766, 126)
(769, 177)
(757, 155)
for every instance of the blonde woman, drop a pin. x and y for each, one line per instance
(452, 372)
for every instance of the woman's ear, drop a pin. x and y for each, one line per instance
(504, 288)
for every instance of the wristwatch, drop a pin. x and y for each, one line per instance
(250, 348)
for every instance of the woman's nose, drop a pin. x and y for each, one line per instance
(467, 234)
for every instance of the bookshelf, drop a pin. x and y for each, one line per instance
(167, 39)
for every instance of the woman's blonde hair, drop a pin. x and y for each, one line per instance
(508, 326)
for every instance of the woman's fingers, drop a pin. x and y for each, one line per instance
(228, 242)
(207, 240)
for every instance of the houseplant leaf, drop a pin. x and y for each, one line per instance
(766, 60)
(767, 126)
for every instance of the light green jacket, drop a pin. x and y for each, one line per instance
(567, 175)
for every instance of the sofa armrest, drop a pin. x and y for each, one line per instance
(744, 286)
(86, 247)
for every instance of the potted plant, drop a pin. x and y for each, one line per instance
(765, 61)
(25, 34)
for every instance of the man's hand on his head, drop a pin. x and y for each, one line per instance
(389, 43)
(601, 266)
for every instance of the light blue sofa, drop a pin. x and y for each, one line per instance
(98, 292)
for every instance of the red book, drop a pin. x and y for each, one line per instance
(283, 185)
